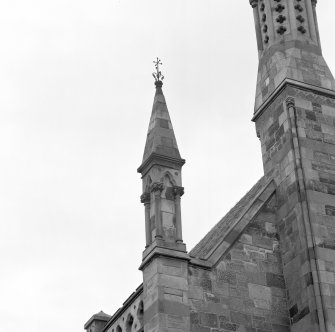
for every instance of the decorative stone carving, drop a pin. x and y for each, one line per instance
(299, 8)
(281, 19)
(157, 187)
(145, 198)
(281, 30)
(290, 102)
(279, 8)
(300, 19)
(302, 29)
(178, 191)
(253, 3)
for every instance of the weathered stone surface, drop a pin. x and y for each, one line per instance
(248, 281)
(208, 319)
(309, 134)
(262, 267)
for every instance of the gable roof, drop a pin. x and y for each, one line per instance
(226, 231)
(99, 316)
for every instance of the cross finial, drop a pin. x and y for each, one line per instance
(158, 75)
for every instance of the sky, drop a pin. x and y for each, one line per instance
(75, 102)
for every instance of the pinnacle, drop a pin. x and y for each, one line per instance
(161, 140)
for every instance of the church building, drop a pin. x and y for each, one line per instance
(269, 264)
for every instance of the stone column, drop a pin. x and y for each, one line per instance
(178, 192)
(292, 19)
(145, 199)
(307, 231)
(314, 2)
(254, 5)
(312, 23)
(157, 189)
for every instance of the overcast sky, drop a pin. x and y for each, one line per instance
(75, 101)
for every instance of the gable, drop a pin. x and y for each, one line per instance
(228, 229)
(245, 291)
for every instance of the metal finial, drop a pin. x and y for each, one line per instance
(158, 75)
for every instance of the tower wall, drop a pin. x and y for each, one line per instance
(245, 290)
(165, 295)
(297, 133)
(294, 115)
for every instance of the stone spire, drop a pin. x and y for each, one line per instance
(161, 180)
(289, 47)
(161, 144)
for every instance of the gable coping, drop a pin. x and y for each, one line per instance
(264, 189)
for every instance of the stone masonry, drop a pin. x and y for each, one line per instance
(297, 133)
(245, 290)
(269, 264)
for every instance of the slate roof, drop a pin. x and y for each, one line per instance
(220, 230)
(161, 139)
(99, 316)
(102, 315)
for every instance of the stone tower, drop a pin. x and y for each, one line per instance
(165, 259)
(295, 121)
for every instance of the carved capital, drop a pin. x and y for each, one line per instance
(145, 198)
(178, 191)
(157, 187)
(290, 102)
(253, 3)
